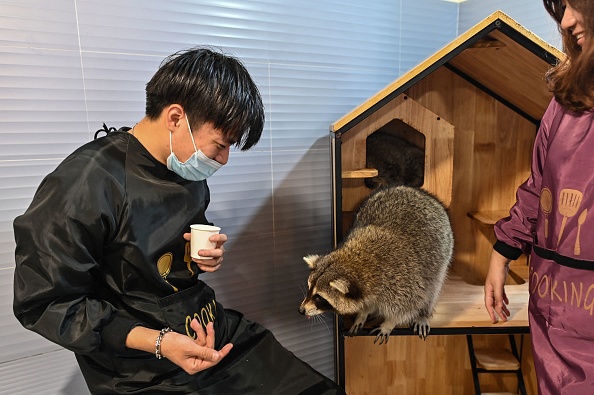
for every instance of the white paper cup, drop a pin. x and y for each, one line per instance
(199, 239)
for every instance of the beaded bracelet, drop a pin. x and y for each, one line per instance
(158, 342)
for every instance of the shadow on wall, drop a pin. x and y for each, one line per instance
(75, 385)
(264, 275)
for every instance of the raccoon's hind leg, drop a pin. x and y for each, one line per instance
(358, 324)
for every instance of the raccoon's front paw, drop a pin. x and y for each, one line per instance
(383, 336)
(357, 326)
(385, 329)
(422, 328)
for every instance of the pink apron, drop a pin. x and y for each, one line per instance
(553, 220)
(561, 313)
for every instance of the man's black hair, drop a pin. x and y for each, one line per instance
(211, 87)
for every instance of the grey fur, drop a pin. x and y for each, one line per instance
(392, 264)
(397, 161)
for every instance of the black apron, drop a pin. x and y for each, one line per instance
(258, 364)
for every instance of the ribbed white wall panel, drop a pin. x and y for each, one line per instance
(531, 14)
(306, 32)
(114, 87)
(47, 373)
(305, 100)
(426, 26)
(38, 24)
(16, 344)
(18, 182)
(42, 107)
(67, 66)
(241, 196)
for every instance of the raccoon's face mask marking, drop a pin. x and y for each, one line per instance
(314, 303)
(326, 292)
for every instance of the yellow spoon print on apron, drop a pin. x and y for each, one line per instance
(164, 267)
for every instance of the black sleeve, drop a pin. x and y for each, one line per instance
(59, 243)
(507, 251)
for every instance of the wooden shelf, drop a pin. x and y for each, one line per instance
(496, 359)
(361, 173)
(488, 217)
(461, 306)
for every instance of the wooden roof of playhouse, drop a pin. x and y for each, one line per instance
(511, 71)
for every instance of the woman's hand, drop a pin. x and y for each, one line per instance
(211, 265)
(496, 300)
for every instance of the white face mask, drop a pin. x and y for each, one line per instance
(197, 168)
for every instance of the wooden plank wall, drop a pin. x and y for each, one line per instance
(492, 150)
(437, 366)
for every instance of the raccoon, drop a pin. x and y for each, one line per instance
(392, 264)
(397, 161)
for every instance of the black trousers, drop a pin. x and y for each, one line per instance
(257, 365)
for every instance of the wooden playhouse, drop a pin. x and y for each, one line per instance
(474, 108)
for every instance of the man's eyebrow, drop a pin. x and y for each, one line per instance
(228, 142)
(222, 142)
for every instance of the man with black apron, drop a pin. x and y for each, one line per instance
(102, 258)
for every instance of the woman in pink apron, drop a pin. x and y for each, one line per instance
(553, 218)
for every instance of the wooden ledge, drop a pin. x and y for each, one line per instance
(462, 305)
(461, 310)
(488, 217)
(362, 173)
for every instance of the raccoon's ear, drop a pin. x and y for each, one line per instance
(311, 260)
(347, 288)
(341, 285)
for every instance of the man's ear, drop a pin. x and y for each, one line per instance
(174, 115)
